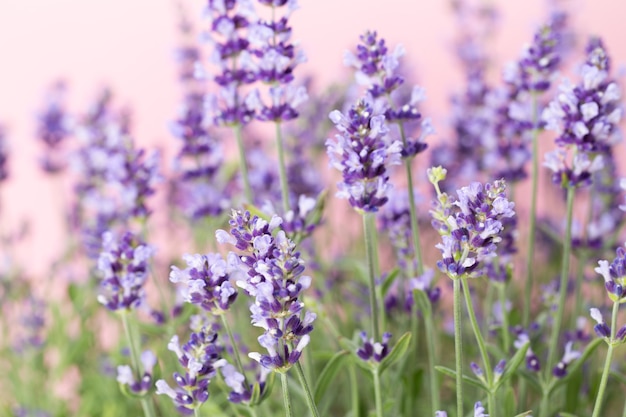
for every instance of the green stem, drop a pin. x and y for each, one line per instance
(282, 168)
(458, 346)
(377, 394)
(506, 338)
(286, 398)
(354, 391)
(481, 345)
(432, 359)
(607, 364)
(234, 345)
(580, 275)
(369, 252)
(415, 233)
(243, 165)
(146, 405)
(307, 391)
(196, 412)
(530, 254)
(567, 248)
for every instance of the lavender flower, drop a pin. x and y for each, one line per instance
(471, 226)
(236, 382)
(570, 355)
(273, 271)
(54, 127)
(123, 264)
(378, 70)
(614, 275)
(229, 22)
(479, 410)
(372, 350)
(33, 323)
(205, 282)
(363, 153)
(199, 357)
(532, 361)
(127, 379)
(586, 119)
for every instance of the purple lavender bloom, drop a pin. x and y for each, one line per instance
(229, 23)
(614, 275)
(199, 357)
(601, 328)
(273, 277)
(586, 119)
(372, 350)
(54, 127)
(277, 59)
(33, 323)
(236, 382)
(471, 226)
(205, 282)
(479, 410)
(378, 70)
(532, 361)
(4, 155)
(123, 264)
(395, 220)
(363, 153)
(126, 377)
(570, 355)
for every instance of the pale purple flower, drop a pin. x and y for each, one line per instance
(373, 350)
(54, 127)
(363, 153)
(125, 375)
(123, 265)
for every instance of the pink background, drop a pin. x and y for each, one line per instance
(128, 44)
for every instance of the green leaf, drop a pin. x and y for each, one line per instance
(571, 369)
(621, 378)
(329, 373)
(509, 402)
(256, 393)
(564, 414)
(470, 380)
(269, 386)
(389, 280)
(513, 364)
(398, 351)
(423, 303)
(525, 413)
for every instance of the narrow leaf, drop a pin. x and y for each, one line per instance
(423, 303)
(328, 374)
(389, 280)
(513, 364)
(398, 351)
(470, 380)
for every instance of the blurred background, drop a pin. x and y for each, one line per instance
(129, 46)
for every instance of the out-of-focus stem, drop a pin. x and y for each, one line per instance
(567, 248)
(530, 253)
(236, 355)
(243, 165)
(432, 358)
(282, 168)
(377, 394)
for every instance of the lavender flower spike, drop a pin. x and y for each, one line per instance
(614, 275)
(372, 350)
(126, 378)
(4, 155)
(205, 282)
(363, 153)
(470, 226)
(123, 264)
(199, 357)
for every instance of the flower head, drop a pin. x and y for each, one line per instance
(363, 153)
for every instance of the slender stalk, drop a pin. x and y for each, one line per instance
(607, 363)
(458, 346)
(369, 251)
(146, 405)
(491, 400)
(432, 359)
(580, 276)
(307, 391)
(415, 233)
(530, 253)
(235, 350)
(196, 412)
(377, 394)
(282, 168)
(354, 391)
(243, 165)
(286, 397)
(506, 338)
(567, 248)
